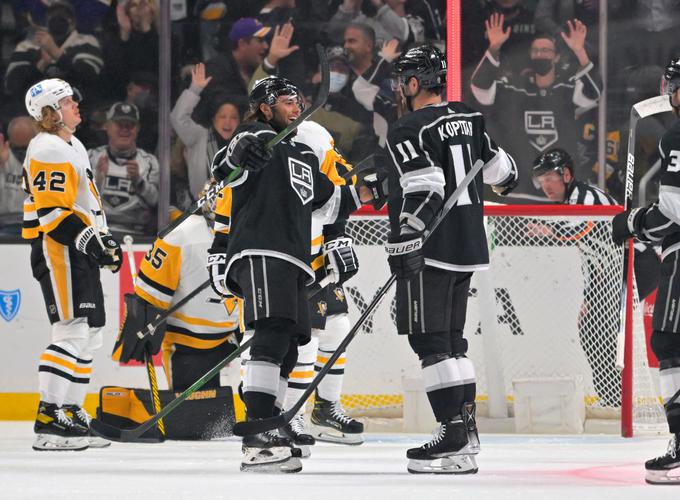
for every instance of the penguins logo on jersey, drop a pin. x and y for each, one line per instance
(540, 127)
(322, 307)
(339, 294)
(301, 180)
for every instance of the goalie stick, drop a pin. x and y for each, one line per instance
(266, 424)
(212, 193)
(113, 433)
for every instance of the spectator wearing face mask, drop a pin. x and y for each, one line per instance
(55, 50)
(20, 131)
(142, 92)
(536, 108)
(126, 175)
(202, 143)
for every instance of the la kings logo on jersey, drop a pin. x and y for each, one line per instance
(301, 180)
(540, 127)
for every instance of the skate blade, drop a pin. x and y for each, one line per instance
(448, 465)
(97, 442)
(328, 435)
(289, 465)
(49, 442)
(305, 451)
(663, 476)
(469, 449)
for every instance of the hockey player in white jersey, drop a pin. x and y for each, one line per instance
(331, 253)
(201, 333)
(64, 220)
(432, 148)
(660, 222)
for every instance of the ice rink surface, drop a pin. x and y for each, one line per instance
(510, 467)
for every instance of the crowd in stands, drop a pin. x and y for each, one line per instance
(531, 66)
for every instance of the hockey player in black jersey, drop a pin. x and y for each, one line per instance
(267, 259)
(432, 148)
(661, 222)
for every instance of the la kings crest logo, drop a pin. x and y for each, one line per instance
(301, 180)
(540, 127)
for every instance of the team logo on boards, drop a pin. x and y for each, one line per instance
(540, 127)
(301, 180)
(10, 301)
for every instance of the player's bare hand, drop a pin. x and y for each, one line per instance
(280, 47)
(390, 50)
(4, 151)
(535, 230)
(365, 194)
(132, 169)
(495, 33)
(198, 78)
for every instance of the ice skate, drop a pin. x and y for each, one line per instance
(82, 419)
(469, 418)
(666, 468)
(331, 424)
(269, 453)
(56, 431)
(442, 455)
(295, 431)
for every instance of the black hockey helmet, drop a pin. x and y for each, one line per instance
(671, 77)
(556, 159)
(267, 90)
(426, 63)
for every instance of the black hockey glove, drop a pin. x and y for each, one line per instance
(340, 258)
(405, 254)
(506, 187)
(138, 314)
(217, 268)
(377, 183)
(249, 152)
(628, 224)
(102, 247)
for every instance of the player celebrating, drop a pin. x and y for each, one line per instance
(267, 259)
(661, 222)
(64, 220)
(328, 312)
(432, 148)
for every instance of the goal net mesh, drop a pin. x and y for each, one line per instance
(555, 282)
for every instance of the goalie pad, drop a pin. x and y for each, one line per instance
(202, 416)
(138, 314)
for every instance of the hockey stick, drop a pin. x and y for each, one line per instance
(266, 424)
(643, 109)
(150, 370)
(113, 433)
(212, 193)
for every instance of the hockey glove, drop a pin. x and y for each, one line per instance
(627, 224)
(377, 183)
(217, 268)
(340, 258)
(249, 152)
(405, 254)
(506, 187)
(129, 345)
(102, 247)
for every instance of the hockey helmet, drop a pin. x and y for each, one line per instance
(267, 90)
(556, 159)
(671, 77)
(48, 93)
(425, 63)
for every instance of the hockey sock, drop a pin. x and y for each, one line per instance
(260, 388)
(302, 375)
(81, 380)
(467, 375)
(443, 386)
(669, 380)
(330, 386)
(281, 394)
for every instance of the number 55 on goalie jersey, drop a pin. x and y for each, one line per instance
(432, 149)
(171, 270)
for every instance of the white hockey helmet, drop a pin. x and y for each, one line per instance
(46, 93)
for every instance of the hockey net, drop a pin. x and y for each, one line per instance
(554, 281)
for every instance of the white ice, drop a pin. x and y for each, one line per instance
(510, 467)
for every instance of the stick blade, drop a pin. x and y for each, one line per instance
(250, 427)
(653, 106)
(113, 433)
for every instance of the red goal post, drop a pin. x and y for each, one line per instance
(569, 246)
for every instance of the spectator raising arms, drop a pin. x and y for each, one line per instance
(537, 107)
(56, 50)
(126, 175)
(202, 143)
